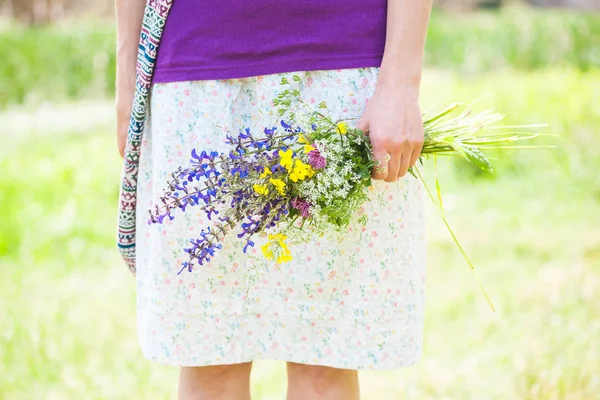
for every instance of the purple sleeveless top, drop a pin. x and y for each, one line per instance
(225, 39)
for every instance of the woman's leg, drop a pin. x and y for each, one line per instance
(219, 382)
(312, 382)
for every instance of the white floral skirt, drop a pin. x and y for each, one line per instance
(354, 304)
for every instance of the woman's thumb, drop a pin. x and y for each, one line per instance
(363, 125)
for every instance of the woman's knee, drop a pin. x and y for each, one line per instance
(215, 382)
(321, 380)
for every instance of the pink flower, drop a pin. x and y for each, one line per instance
(303, 206)
(316, 160)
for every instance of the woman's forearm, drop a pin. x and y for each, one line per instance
(406, 31)
(130, 14)
(129, 24)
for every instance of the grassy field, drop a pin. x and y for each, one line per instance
(67, 327)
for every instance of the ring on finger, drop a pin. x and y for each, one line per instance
(381, 167)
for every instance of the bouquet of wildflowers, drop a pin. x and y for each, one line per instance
(308, 176)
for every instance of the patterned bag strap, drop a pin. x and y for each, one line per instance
(155, 16)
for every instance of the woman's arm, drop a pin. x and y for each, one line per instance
(393, 116)
(129, 24)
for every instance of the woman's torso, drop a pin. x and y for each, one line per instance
(223, 39)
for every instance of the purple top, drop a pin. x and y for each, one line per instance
(225, 39)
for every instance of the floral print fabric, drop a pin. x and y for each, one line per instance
(355, 303)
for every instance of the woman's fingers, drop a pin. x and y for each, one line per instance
(394, 152)
(394, 166)
(404, 164)
(382, 159)
(380, 154)
(415, 156)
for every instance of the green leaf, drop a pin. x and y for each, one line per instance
(364, 173)
(363, 220)
(476, 157)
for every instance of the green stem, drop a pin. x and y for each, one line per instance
(441, 210)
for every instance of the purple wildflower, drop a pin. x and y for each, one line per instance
(286, 126)
(316, 160)
(215, 183)
(303, 206)
(202, 249)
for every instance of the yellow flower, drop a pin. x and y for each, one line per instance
(266, 171)
(307, 147)
(261, 189)
(285, 159)
(284, 258)
(301, 171)
(267, 252)
(276, 248)
(342, 128)
(309, 171)
(302, 140)
(278, 237)
(279, 184)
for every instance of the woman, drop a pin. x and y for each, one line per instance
(338, 307)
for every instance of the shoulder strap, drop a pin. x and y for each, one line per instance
(155, 17)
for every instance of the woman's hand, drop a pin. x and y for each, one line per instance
(392, 117)
(394, 124)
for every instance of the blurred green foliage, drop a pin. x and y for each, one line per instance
(513, 38)
(56, 62)
(77, 60)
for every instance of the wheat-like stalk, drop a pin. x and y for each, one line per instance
(467, 136)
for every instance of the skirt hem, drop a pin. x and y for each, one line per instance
(332, 363)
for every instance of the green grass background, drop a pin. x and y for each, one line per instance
(67, 325)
